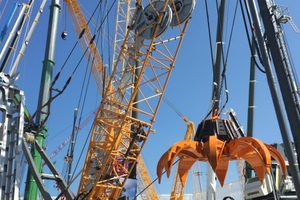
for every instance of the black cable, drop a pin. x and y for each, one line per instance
(92, 61)
(210, 42)
(248, 39)
(92, 40)
(231, 33)
(217, 92)
(63, 66)
(209, 33)
(81, 109)
(59, 92)
(80, 122)
(81, 153)
(226, 60)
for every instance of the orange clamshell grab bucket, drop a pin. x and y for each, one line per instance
(218, 153)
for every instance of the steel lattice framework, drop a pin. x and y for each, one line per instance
(142, 69)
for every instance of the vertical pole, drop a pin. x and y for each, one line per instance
(286, 79)
(27, 40)
(294, 167)
(71, 155)
(251, 102)
(218, 56)
(3, 32)
(13, 33)
(31, 189)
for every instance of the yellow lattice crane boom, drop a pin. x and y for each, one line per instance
(178, 188)
(145, 186)
(132, 96)
(88, 44)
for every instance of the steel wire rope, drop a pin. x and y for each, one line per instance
(209, 33)
(81, 34)
(136, 196)
(92, 61)
(59, 92)
(80, 107)
(64, 65)
(179, 113)
(214, 92)
(74, 46)
(72, 50)
(225, 60)
(231, 33)
(108, 47)
(153, 88)
(210, 43)
(90, 73)
(77, 135)
(81, 153)
(85, 143)
(68, 81)
(224, 63)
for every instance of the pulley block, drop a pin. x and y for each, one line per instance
(147, 24)
(182, 10)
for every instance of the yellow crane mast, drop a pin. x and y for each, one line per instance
(125, 9)
(124, 12)
(86, 40)
(132, 96)
(178, 188)
(145, 184)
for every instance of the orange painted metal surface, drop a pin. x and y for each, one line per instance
(218, 149)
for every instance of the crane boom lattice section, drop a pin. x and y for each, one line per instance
(146, 187)
(178, 188)
(131, 99)
(125, 10)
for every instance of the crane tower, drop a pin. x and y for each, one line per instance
(132, 96)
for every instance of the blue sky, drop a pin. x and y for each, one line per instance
(189, 88)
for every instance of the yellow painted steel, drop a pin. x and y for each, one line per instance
(146, 66)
